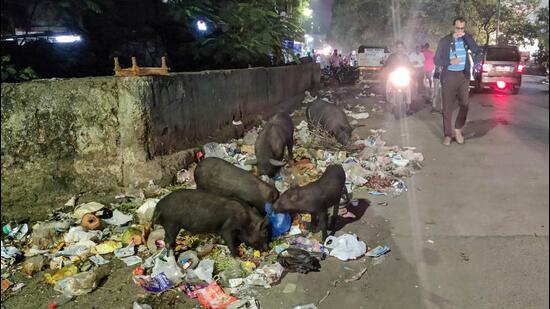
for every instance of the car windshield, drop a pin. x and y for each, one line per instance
(502, 54)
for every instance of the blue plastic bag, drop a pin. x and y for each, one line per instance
(280, 222)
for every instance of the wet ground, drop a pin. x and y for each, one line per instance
(471, 232)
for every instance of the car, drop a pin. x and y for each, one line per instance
(370, 61)
(498, 67)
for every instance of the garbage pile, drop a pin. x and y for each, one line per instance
(74, 246)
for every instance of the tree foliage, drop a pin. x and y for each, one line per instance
(240, 33)
(357, 22)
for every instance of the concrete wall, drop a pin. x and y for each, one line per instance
(96, 135)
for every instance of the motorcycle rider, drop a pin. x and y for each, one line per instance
(398, 58)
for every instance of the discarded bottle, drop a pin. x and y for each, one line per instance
(60, 300)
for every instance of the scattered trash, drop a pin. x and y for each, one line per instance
(145, 211)
(214, 297)
(378, 251)
(431, 241)
(16, 233)
(383, 203)
(155, 240)
(203, 271)
(131, 260)
(360, 116)
(188, 259)
(155, 284)
(125, 252)
(6, 284)
(245, 303)
(119, 218)
(345, 247)
(298, 260)
(79, 284)
(280, 222)
(33, 265)
(67, 271)
(170, 269)
(357, 276)
(17, 287)
(108, 246)
(98, 260)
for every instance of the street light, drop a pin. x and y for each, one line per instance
(308, 12)
(201, 25)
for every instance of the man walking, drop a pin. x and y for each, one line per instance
(452, 56)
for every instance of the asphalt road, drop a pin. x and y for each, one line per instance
(472, 230)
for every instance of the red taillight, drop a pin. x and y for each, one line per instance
(520, 68)
(486, 67)
(501, 84)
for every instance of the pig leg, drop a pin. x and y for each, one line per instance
(333, 219)
(229, 234)
(171, 234)
(323, 222)
(289, 147)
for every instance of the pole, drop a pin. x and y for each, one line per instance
(498, 20)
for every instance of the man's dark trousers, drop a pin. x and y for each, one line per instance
(456, 87)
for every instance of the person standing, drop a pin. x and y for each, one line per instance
(417, 60)
(452, 56)
(428, 64)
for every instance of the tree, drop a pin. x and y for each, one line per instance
(357, 22)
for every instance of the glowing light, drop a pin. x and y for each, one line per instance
(400, 77)
(501, 84)
(308, 12)
(67, 38)
(201, 25)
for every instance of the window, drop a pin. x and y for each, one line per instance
(502, 54)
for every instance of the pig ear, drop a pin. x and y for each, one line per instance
(276, 162)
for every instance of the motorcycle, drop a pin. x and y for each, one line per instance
(398, 91)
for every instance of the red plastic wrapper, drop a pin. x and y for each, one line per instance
(213, 297)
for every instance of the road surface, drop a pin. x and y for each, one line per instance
(472, 230)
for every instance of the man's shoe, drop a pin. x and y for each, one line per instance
(447, 141)
(458, 136)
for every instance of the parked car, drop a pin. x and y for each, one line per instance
(498, 67)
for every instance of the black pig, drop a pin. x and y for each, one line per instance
(316, 197)
(331, 118)
(201, 212)
(271, 142)
(223, 178)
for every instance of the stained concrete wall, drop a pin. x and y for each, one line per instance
(97, 135)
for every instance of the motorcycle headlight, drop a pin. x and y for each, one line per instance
(400, 77)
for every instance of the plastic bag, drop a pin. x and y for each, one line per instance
(345, 247)
(214, 297)
(169, 268)
(298, 260)
(214, 150)
(155, 284)
(33, 265)
(79, 284)
(280, 222)
(203, 271)
(145, 211)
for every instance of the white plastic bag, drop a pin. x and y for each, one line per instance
(145, 211)
(169, 268)
(345, 247)
(203, 271)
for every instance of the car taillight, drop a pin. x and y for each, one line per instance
(520, 68)
(486, 67)
(501, 84)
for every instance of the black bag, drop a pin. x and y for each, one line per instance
(298, 260)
